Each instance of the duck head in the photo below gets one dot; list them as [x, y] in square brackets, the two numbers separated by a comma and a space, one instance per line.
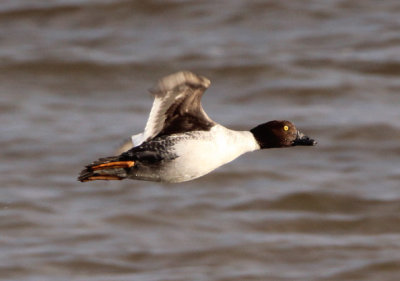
[274, 134]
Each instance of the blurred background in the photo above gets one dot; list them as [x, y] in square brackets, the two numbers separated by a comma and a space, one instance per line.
[73, 85]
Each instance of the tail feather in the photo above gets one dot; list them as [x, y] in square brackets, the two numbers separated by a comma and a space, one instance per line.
[109, 168]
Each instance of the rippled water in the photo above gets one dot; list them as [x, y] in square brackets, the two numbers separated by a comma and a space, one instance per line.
[73, 83]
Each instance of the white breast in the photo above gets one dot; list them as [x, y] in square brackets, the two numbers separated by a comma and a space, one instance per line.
[207, 151]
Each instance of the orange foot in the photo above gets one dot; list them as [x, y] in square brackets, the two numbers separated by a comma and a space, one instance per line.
[94, 178]
[113, 165]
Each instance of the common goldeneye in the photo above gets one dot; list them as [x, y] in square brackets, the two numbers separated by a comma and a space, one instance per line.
[180, 142]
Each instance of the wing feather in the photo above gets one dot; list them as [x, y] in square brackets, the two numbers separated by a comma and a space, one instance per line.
[177, 105]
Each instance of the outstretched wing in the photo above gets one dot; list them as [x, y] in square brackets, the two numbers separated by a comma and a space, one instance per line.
[177, 106]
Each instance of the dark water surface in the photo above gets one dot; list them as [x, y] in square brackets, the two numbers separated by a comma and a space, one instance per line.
[73, 85]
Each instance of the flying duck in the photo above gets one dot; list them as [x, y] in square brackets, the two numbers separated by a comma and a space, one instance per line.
[180, 142]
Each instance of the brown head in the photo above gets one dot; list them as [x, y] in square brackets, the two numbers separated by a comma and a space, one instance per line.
[280, 134]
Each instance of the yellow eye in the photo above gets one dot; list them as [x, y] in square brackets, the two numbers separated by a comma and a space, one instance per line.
[286, 128]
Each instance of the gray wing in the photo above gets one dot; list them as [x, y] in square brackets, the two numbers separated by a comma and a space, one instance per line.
[177, 105]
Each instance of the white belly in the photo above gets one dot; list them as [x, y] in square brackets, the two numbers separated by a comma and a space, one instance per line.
[206, 152]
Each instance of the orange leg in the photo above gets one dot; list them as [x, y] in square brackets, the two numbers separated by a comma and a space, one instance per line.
[93, 178]
[114, 165]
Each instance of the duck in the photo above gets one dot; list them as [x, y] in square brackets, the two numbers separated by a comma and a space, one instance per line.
[180, 142]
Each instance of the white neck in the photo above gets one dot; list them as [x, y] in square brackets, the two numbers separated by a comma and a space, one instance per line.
[234, 143]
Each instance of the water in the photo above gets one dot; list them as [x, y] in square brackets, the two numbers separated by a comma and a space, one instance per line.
[73, 83]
